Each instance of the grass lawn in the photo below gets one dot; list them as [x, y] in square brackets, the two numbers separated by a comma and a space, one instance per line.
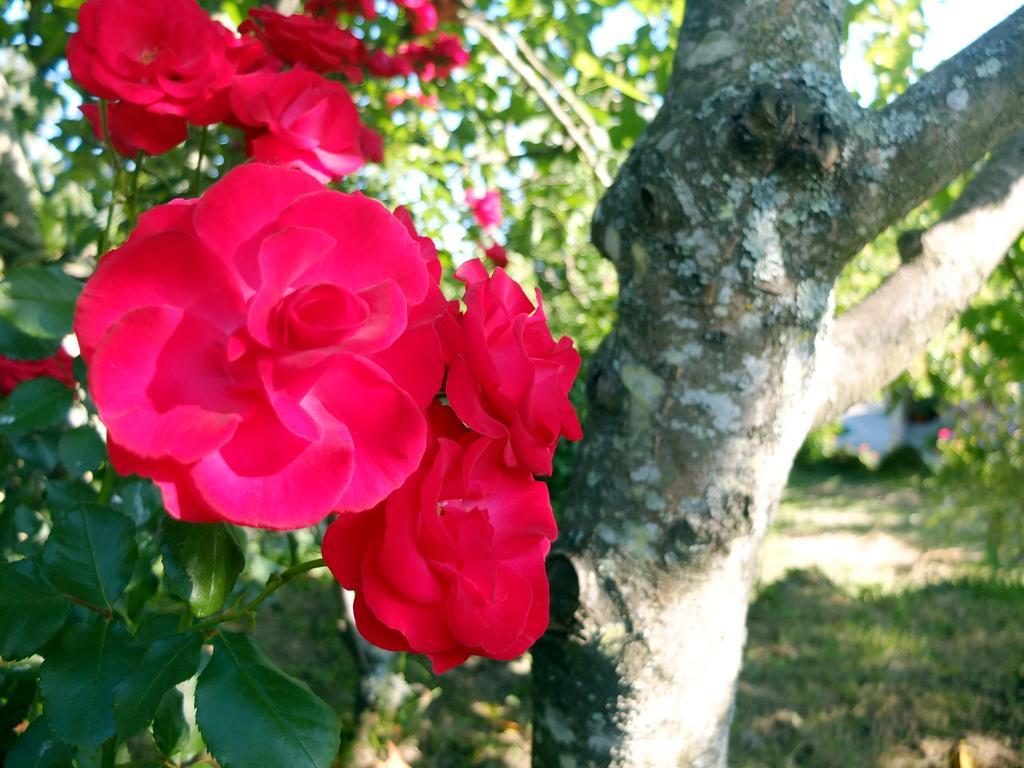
[881, 647]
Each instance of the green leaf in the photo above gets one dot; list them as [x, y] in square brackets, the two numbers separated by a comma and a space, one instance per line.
[39, 748]
[82, 450]
[91, 553]
[202, 563]
[251, 713]
[31, 610]
[79, 676]
[20, 346]
[35, 404]
[39, 301]
[169, 725]
[591, 67]
[165, 664]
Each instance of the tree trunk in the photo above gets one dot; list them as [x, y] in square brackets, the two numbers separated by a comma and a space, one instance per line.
[758, 180]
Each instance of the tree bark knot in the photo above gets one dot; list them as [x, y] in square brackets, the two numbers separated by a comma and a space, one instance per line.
[787, 125]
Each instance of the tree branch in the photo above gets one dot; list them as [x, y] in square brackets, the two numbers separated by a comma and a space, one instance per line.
[940, 127]
[876, 340]
[532, 79]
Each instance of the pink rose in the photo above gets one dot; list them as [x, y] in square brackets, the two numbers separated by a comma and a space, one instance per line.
[422, 15]
[436, 60]
[135, 129]
[371, 144]
[254, 351]
[510, 380]
[332, 8]
[486, 208]
[452, 564]
[318, 44]
[14, 372]
[495, 253]
[166, 55]
[301, 119]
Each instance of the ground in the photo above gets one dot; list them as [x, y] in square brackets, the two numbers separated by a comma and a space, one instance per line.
[873, 642]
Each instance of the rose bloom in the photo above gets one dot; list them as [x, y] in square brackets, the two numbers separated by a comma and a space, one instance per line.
[486, 208]
[135, 129]
[166, 55]
[436, 60]
[422, 15]
[332, 8]
[371, 144]
[495, 253]
[265, 353]
[301, 119]
[452, 564]
[510, 379]
[318, 44]
[14, 372]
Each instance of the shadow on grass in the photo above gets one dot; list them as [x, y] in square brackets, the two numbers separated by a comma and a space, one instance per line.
[831, 679]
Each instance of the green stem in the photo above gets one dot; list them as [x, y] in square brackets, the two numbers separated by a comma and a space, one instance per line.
[107, 140]
[199, 161]
[133, 193]
[101, 245]
[104, 612]
[107, 486]
[109, 754]
[115, 161]
[275, 582]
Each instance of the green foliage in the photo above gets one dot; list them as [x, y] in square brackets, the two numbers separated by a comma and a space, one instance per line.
[201, 563]
[34, 405]
[91, 553]
[251, 713]
[39, 301]
[39, 748]
[166, 663]
[31, 609]
[77, 680]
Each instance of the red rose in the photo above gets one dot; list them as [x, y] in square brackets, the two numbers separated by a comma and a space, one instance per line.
[166, 55]
[315, 43]
[255, 352]
[301, 119]
[135, 129]
[422, 15]
[14, 372]
[486, 208]
[511, 379]
[332, 8]
[496, 255]
[452, 564]
[371, 144]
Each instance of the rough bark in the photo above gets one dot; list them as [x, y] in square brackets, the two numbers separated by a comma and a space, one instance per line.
[724, 227]
[875, 341]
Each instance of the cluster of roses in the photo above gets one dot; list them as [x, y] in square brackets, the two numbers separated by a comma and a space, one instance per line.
[276, 351]
[160, 65]
[486, 208]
